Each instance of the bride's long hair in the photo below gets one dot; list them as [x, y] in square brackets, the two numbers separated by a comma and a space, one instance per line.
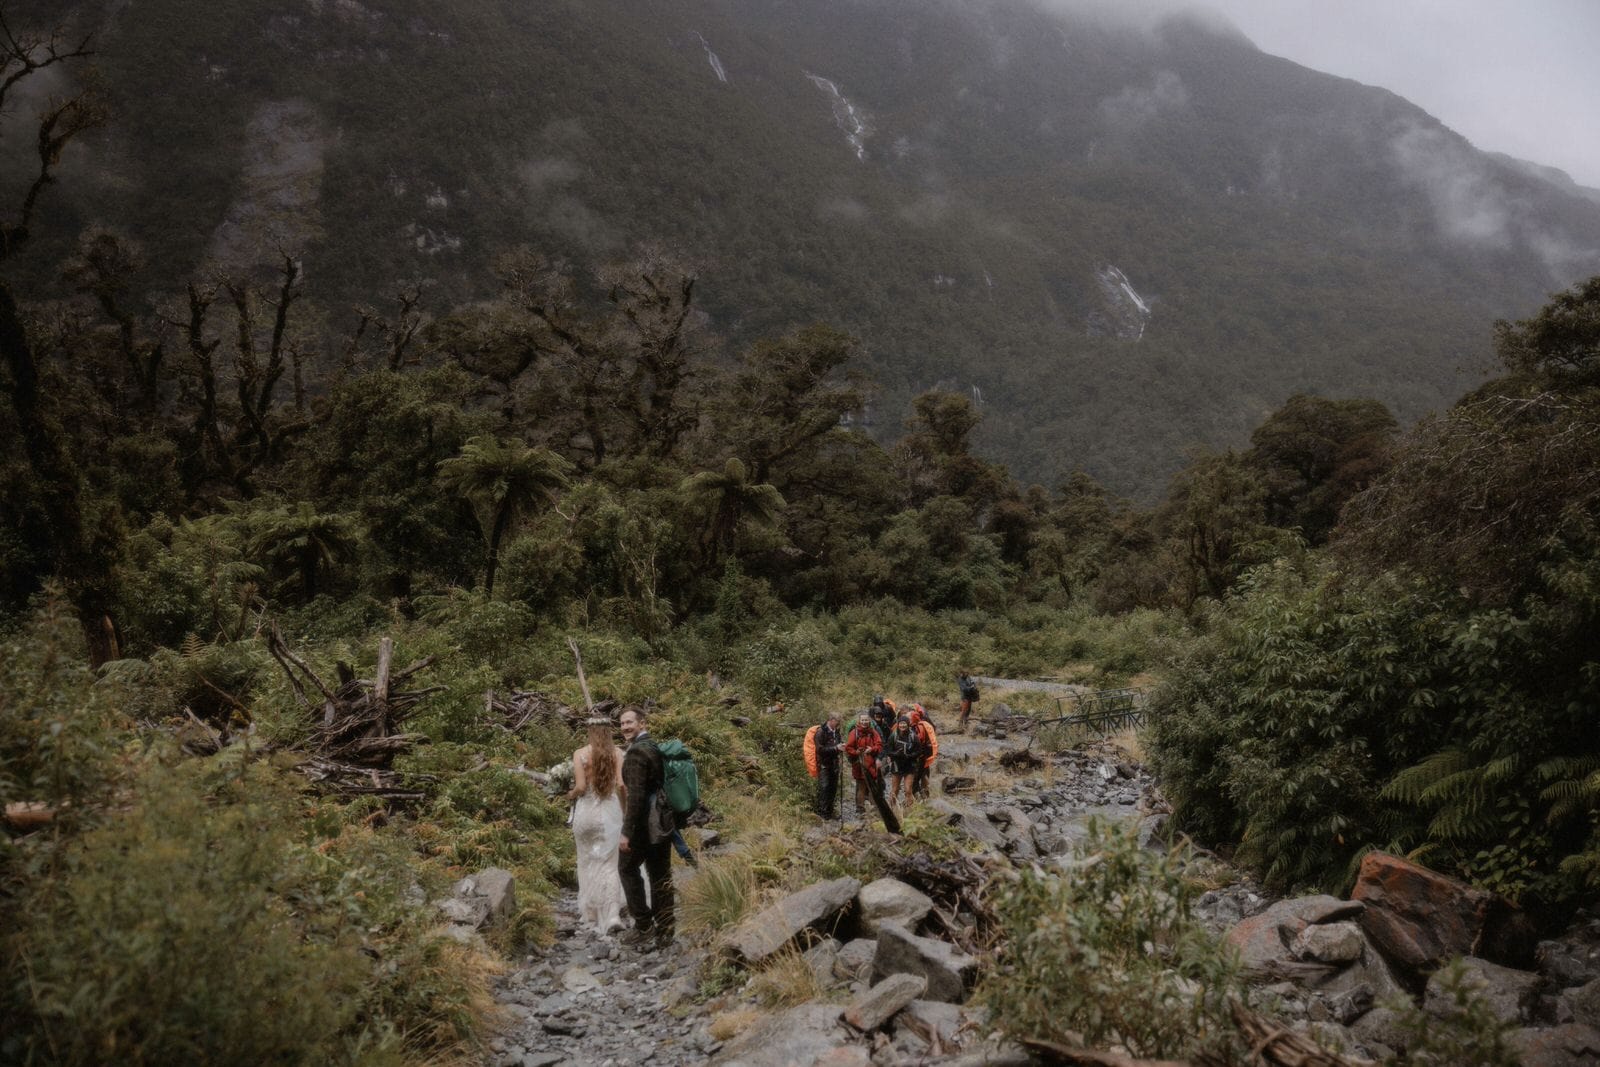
[602, 760]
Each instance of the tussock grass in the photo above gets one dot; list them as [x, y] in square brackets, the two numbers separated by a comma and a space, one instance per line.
[785, 981]
[730, 1024]
[722, 893]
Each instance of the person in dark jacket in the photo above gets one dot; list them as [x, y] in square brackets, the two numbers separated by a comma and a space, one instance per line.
[829, 742]
[643, 775]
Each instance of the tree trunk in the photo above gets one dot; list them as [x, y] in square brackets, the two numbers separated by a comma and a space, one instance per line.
[502, 519]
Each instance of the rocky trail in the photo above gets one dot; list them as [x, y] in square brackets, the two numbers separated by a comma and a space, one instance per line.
[895, 959]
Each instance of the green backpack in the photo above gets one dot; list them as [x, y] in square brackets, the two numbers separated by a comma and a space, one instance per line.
[682, 784]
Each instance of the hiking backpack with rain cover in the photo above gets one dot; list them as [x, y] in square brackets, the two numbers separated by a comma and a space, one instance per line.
[682, 784]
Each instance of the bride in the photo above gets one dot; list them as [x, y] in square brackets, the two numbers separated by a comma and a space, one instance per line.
[597, 827]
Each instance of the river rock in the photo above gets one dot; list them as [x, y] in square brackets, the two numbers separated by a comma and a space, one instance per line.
[891, 900]
[1380, 1026]
[1329, 943]
[1510, 994]
[816, 907]
[1572, 1045]
[1417, 917]
[947, 969]
[877, 1005]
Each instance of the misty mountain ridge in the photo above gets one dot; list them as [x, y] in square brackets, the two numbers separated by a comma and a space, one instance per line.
[1124, 236]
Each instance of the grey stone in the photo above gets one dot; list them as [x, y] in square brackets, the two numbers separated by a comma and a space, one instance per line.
[877, 1005]
[970, 821]
[542, 1059]
[823, 958]
[855, 959]
[1584, 1003]
[814, 907]
[1572, 1045]
[947, 969]
[802, 1035]
[891, 900]
[1329, 943]
[577, 980]
[1380, 1026]
[1510, 995]
[491, 892]
[937, 1017]
[710, 839]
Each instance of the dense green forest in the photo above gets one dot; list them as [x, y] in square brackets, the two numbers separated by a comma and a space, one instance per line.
[1280, 238]
[1365, 637]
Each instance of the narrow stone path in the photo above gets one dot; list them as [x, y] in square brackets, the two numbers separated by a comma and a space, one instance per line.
[590, 1001]
[593, 1002]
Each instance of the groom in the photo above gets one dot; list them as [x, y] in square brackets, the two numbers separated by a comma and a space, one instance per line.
[643, 773]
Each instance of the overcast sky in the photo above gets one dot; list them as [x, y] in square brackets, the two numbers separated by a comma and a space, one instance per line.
[1520, 78]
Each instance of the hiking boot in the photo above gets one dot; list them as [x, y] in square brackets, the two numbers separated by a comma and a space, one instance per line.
[638, 937]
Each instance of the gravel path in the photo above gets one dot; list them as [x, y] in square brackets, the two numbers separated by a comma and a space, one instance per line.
[593, 1002]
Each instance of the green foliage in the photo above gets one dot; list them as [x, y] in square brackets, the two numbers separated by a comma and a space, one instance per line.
[1108, 953]
[203, 926]
[786, 664]
[56, 723]
[1467, 1031]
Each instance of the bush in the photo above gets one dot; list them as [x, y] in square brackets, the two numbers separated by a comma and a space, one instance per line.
[1109, 954]
[200, 927]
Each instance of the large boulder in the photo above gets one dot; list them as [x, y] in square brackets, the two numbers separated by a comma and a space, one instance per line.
[877, 1005]
[1584, 1003]
[891, 900]
[816, 907]
[970, 821]
[800, 1037]
[483, 899]
[1264, 939]
[947, 969]
[1417, 917]
[1572, 1045]
[1510, 995]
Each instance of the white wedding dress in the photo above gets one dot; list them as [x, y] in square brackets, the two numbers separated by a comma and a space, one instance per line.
[597, 830]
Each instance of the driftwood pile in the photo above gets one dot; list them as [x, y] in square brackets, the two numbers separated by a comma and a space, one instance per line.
[356, 724]
[956, 886]
[517, 709]
[1271, 1044]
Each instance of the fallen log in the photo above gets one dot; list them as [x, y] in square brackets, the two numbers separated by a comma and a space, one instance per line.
[26, 816]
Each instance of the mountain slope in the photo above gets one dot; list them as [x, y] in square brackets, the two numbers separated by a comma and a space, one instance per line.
[1123, 240]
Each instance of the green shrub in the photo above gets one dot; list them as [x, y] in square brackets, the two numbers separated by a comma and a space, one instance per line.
[1468, 1031]
[1109, 953]
[213, 922]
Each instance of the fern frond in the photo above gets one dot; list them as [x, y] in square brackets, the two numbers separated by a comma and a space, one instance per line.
[1411, 784]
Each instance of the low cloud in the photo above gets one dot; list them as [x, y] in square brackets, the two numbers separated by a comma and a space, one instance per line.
[1138, 104]
[1472, 205]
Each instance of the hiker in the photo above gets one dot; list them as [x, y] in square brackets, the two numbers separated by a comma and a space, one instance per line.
[643, 777]
[883, 714]
[928, 740]
[969, 697]
[862, 748]
[597, 826]
[822, 746]
[904, 753]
